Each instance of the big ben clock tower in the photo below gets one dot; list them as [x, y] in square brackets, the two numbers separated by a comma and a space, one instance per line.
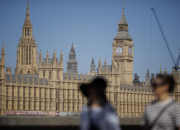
[123, 52]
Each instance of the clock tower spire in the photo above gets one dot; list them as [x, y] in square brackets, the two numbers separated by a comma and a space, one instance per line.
[72, 63]
[123, 51]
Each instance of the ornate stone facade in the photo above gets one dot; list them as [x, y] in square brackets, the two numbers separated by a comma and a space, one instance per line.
[47, 88]
[27, 50]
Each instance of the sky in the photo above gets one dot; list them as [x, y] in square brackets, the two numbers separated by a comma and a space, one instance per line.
[92, 25]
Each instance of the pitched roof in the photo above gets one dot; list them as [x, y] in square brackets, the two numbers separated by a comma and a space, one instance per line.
[123, 19]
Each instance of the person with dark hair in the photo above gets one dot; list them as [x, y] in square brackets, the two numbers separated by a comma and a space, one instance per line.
[164, 113]
[98, 114]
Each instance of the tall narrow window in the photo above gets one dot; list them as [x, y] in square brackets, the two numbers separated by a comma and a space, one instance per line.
[13, 104]
[49, 74]
[45, 105]
[21, 55]
[115, 96]
[6, 104]
[34, 92]
[24, 92]
[50, 105]
[40, 92]
[29, 105]
[13, 91]
[45, 93]
[29, 55]
[18, 91]
[50, 93]
[27, 31]
[57, 93]
[57, 74]
[23, 105]
[18, 105]
[35, 105]
[6, 91]
[44, 74]
[40, 105]
[29, 92]
[26, 55]
[56, 106]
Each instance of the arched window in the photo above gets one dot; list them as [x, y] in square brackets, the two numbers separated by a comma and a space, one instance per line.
[43, 73]
[49, 74]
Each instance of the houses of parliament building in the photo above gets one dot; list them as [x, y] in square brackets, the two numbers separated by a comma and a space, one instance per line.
[40, 84]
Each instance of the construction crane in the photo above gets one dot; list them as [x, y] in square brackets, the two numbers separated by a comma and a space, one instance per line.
[176, 63]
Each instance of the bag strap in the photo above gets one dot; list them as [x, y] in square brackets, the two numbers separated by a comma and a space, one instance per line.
[159, 115]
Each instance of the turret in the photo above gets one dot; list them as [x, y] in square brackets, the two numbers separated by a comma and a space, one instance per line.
[61, 66]
[86, 76]
[47, 58]
[99, 65]
[105, 63]
[147, 78]
[160, 71]
[8, 70]
[92, 66]
[81, 76]
[61, 60]
[54, 58]
[3, 55]
[40, 58]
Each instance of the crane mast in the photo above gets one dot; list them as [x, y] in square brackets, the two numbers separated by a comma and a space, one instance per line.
[176, 63]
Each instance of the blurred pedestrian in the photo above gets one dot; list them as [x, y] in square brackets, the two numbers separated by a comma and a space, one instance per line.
[164, 113]
[98, 114]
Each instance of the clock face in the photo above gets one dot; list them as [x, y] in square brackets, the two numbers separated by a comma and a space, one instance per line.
[119, 50]
[130, 50]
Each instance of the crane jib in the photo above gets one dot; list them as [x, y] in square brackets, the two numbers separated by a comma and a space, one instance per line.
[176, 63]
